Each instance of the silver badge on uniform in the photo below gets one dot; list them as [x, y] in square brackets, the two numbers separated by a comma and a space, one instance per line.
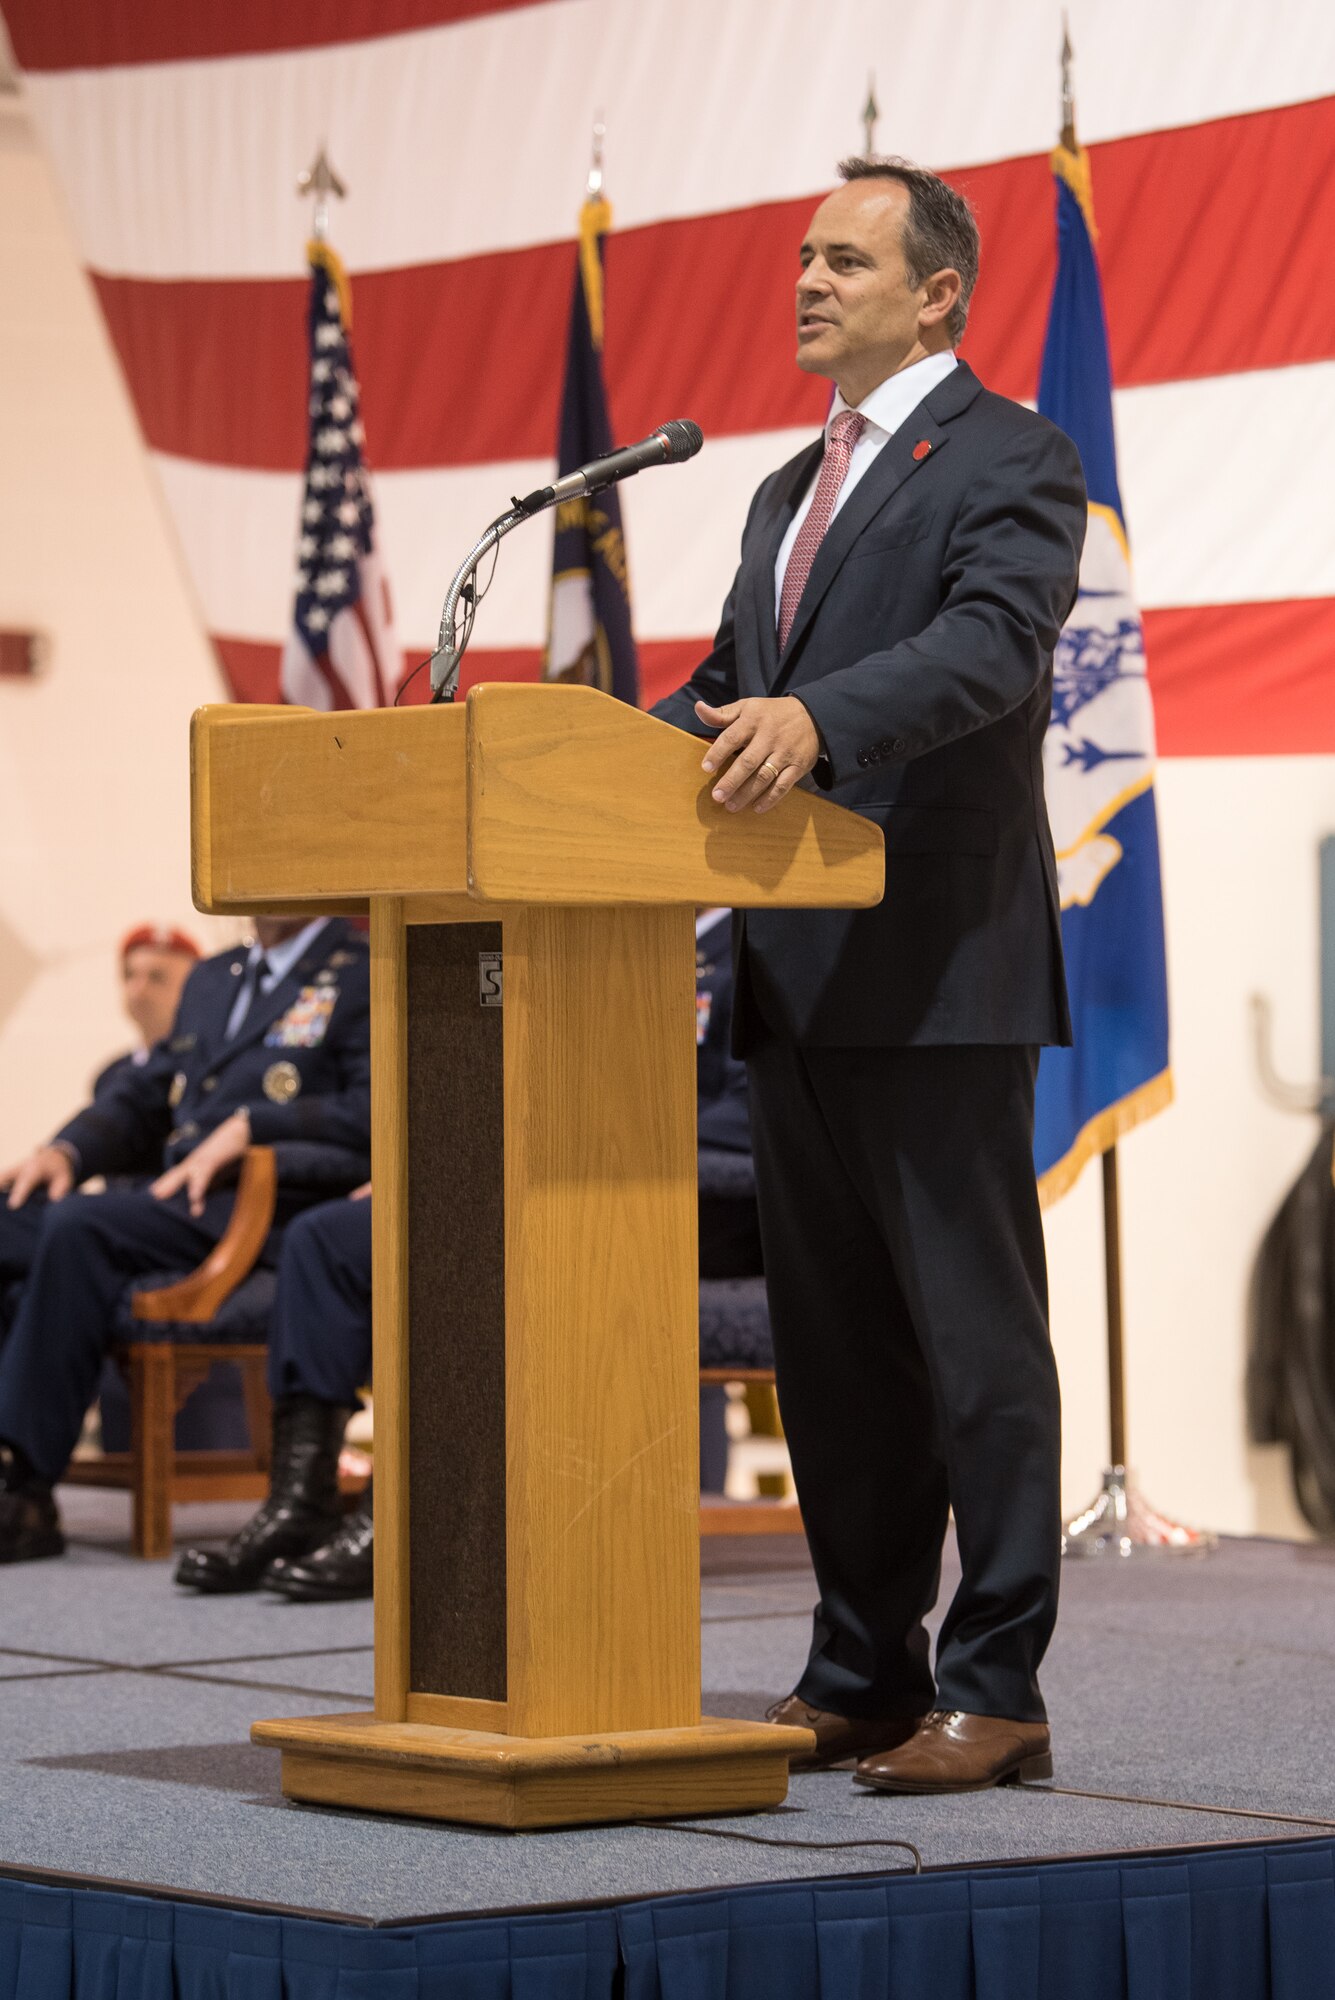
[282, 1082]
[489, 979]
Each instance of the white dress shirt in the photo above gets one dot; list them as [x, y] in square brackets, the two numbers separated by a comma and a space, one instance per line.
[889, 405]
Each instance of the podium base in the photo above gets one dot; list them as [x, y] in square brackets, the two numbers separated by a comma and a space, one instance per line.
[517, 1782]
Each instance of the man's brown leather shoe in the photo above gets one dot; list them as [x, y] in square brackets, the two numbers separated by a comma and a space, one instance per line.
[838, 1737]
[954, 1752]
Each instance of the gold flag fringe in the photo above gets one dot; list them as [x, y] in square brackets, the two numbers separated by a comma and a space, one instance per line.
[1074, 169]
[332, 264]
[1103, 1132]
[595, 219]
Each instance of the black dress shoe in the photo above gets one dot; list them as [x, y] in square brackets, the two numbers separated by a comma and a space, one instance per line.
[335, 1573]
[29, 1524]
[302, 1509]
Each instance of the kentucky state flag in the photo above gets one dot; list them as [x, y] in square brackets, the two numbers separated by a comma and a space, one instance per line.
[589, 636]
[1099, 758]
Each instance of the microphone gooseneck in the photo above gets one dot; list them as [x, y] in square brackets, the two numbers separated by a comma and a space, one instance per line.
[670, 444]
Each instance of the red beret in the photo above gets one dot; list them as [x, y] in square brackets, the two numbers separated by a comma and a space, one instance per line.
[161, 937]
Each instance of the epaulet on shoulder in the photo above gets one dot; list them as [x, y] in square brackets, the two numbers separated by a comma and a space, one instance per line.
[223, 957]
[351, 949]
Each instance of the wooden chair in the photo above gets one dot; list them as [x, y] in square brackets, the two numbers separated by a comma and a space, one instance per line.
[734, 1320]
[162, 1372]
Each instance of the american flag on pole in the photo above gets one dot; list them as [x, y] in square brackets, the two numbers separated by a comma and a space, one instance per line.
[341, 651]
[461, 264]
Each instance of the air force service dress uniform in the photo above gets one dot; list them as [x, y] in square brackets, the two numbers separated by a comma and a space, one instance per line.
[297, 1060]
[320, 1328]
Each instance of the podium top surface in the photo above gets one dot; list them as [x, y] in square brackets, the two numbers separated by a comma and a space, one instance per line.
[522, 794]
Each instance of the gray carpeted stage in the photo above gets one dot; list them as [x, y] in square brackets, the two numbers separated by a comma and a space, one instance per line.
[1198, 1682]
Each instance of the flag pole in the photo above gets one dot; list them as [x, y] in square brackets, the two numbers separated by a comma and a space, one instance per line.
[871, 111]
[1119, 1522]
[320, 180]
[1112, 1279]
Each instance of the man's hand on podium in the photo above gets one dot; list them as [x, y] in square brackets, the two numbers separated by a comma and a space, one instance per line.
[771, 742]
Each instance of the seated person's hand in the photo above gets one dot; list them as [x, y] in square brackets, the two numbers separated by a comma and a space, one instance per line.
[361, 1193]
[197, 1171]
[49, 1167]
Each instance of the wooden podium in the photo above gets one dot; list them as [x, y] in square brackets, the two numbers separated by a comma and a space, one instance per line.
[530, 860]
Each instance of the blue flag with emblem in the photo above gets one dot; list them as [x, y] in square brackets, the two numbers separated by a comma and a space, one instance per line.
[1099, 756]
[589, 635]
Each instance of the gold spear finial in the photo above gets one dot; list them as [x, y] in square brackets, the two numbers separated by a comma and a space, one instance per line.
[871, 111]
[320, 180]
[1068, 91]
[593, 187]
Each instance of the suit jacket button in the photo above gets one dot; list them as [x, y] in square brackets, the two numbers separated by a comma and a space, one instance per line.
[899, 743]
[209, 1083]
[863, 759]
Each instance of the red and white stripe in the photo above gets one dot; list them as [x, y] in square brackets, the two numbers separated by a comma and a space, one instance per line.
[461, 127]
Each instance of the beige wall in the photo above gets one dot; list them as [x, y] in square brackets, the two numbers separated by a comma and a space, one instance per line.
[1200, 1182]
[93, 836]
[93, 768]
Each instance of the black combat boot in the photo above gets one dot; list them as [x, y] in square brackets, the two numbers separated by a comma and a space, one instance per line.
[29, 1523]
[301, 1511]
[339, 1570]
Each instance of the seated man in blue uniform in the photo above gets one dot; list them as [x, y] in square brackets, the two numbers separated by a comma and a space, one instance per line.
[270, 1044]
[320, 1331]
[155, 962]
[298, 1543]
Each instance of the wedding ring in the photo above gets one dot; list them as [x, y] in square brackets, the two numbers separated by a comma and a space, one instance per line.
[772, 769]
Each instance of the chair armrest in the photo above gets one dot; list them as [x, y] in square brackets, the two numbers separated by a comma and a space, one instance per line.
[197, 1298]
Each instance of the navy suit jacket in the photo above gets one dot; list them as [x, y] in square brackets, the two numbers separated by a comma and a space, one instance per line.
[300, 1064]
[723, 1117]
[922, 648]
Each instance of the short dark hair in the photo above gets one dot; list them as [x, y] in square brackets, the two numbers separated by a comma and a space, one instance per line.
[939, 231]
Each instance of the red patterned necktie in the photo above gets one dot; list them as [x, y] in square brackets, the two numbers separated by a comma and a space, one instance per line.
[845, 431]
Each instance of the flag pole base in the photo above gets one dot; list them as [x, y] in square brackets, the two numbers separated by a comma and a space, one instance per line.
[1122, 1523]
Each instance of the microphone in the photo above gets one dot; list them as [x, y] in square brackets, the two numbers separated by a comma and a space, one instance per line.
[668, 445]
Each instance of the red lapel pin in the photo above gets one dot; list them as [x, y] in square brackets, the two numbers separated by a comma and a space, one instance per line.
[922, 447]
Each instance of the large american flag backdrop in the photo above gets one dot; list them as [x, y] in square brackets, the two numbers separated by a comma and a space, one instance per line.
[462, 130]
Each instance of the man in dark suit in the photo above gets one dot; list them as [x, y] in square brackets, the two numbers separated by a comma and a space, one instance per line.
[889, 637]
[270, 1044]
